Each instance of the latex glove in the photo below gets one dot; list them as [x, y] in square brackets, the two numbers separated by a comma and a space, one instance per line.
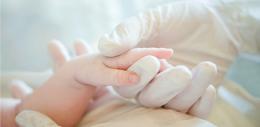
[197, 31]
[175, 88]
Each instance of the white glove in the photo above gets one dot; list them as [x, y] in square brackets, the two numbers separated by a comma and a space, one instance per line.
[196, 33]
[30, 118]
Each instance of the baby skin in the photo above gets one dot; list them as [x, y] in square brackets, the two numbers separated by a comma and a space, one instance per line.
[65, 96]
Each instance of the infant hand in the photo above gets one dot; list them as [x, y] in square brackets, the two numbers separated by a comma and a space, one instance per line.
[97, 70]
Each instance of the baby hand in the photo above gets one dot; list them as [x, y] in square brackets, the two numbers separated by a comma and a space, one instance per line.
[94, 69]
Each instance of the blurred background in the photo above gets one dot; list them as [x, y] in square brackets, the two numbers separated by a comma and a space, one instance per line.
[27, 27]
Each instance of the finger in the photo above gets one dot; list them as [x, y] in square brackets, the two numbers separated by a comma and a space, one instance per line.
[203, 74]
[129, 58]
[165, 86]
[164, 65]
[20, 89]
[146, 68]
[80, 47]
[204, 105]
[58, 53]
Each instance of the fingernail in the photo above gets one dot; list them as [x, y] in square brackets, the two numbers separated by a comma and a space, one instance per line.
[133, 78]
[168, 52]
[167, 49]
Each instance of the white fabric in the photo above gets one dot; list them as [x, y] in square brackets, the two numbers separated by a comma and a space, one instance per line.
[29, 118]
[118, 113]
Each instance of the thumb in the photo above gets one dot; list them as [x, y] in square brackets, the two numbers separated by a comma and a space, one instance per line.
[128, 35]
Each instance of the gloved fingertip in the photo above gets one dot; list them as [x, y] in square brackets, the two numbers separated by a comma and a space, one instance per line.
[209, 66]
[108, 47]
[206, 70]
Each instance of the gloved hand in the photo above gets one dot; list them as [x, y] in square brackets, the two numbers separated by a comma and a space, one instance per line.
[175, 88]
[196, 33]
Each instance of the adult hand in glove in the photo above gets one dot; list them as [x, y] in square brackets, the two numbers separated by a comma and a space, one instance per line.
[196, 32]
